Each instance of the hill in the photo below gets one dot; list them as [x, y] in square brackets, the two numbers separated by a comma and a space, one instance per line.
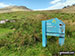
[69, 9]
[14, 8]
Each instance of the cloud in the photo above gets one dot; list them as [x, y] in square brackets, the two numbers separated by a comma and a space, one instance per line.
[61, 4]
[3, 5]
[58, 4]
[54, 1]
[55, 6]
[69, 2]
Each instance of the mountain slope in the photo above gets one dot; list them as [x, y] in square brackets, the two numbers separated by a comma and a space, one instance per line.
[70, 9]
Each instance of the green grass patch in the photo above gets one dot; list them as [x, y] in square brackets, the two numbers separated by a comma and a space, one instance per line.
[4, 31]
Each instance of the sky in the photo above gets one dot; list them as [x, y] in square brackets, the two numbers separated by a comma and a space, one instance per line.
[38, 4]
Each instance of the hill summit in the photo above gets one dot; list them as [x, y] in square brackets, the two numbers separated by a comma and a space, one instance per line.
[14, 8]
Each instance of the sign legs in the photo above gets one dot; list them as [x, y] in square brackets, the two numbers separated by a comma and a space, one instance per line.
[44, 38]
[44, 41]
[61, 41]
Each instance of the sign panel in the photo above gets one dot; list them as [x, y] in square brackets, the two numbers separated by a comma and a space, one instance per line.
[53, 27]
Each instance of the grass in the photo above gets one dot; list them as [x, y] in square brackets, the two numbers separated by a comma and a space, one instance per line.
[4, 31]
[26, 39]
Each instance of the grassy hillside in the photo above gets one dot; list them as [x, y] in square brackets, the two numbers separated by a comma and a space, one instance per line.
[24, 37]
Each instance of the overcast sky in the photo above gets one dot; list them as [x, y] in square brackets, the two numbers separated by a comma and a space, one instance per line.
[37, 4]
